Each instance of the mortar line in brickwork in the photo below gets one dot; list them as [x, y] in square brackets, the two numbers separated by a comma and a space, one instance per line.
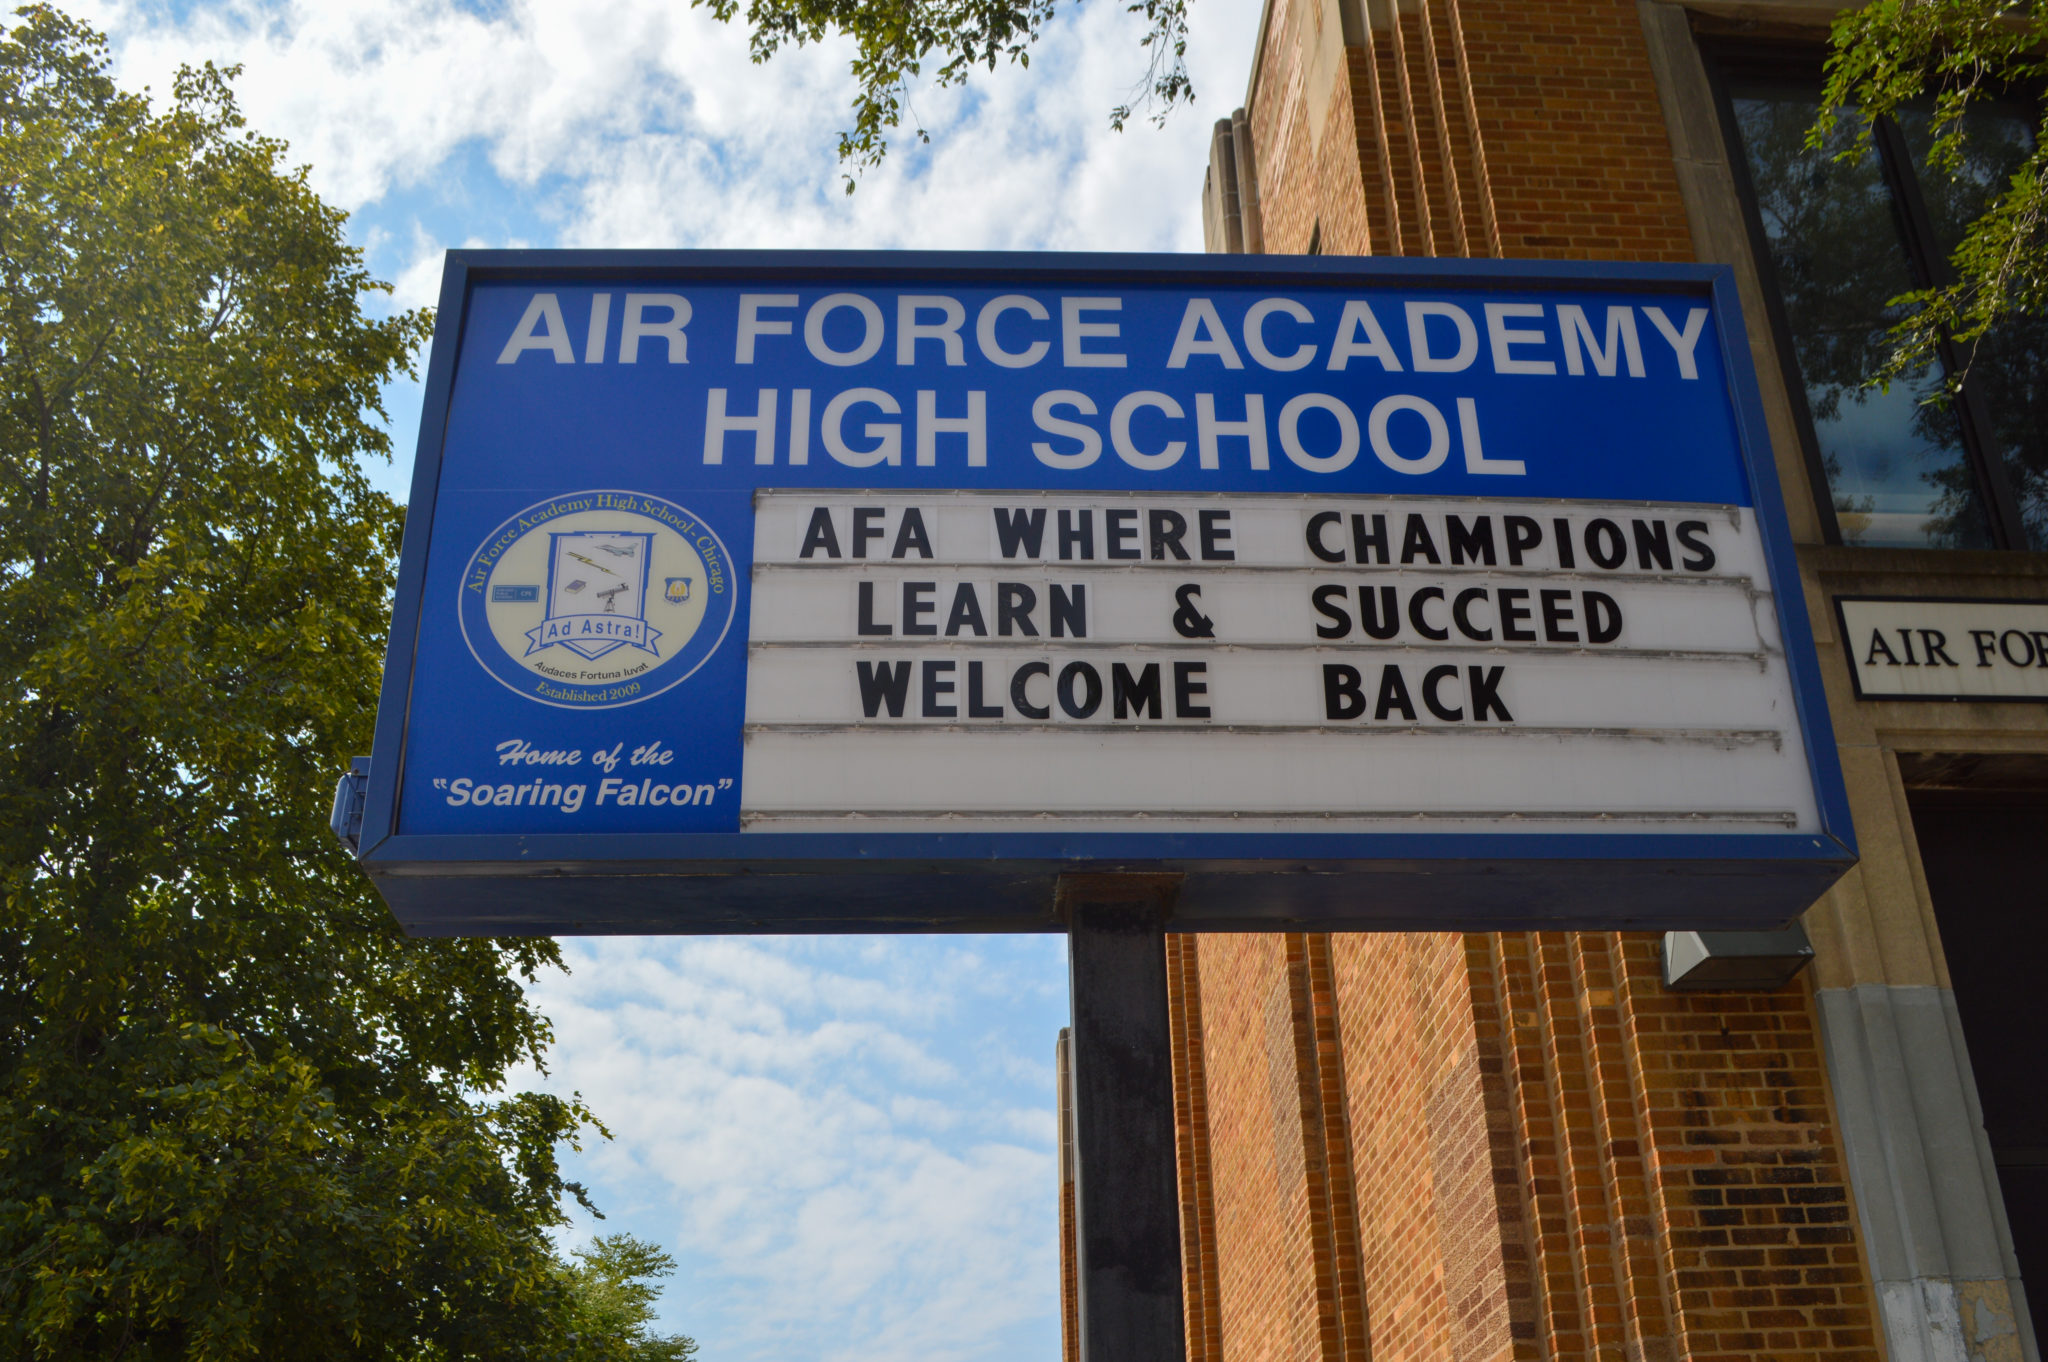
[1423, 237]
[1423, 134]
[1454, 207]
[1645, 1312]
[1365, 144]
[1590, 1237]
[1639, 994]
[1314, 1151]
[1353, 1309]
[1488, 218]
[1487, 1006]
[1537, 1131]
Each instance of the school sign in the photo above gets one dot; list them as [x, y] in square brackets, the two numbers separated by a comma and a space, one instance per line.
[810, 592]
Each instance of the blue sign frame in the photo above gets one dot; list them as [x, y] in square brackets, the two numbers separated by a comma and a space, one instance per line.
[731, 882]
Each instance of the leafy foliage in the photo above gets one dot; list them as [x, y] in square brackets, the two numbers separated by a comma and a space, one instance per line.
[240, 1114]
[1935, 65]
[615, 1302]
[895, 40]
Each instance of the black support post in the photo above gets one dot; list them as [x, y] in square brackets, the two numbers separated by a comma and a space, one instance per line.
[1127, 1190]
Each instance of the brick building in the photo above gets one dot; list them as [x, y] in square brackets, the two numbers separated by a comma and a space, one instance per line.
[1493, 1146]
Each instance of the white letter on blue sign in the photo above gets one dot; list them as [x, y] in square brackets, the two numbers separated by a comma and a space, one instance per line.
[1202, 333]
[1682, 342]
[636, 326]
[751, 324]
[1621, 341]
[887, 435]
[1347, 432]
[717, 422]
[1041, 413]
[1418, 338]
[1439, 434]
[1074, 331]
[1359, 314]
[1209, 431]
[909, 330]
[544, 307]
[985, 331]
[814, 329]
[1255, 334]
[1120, 432]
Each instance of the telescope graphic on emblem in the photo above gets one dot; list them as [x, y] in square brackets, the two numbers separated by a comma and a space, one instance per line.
[677, 590]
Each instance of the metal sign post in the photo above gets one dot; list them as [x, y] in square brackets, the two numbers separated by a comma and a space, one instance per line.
[832, 592]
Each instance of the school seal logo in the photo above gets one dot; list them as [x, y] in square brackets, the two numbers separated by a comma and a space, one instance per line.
[597, 599]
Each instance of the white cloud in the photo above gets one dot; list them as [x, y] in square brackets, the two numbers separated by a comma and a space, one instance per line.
[826, 1134]
[642, 122]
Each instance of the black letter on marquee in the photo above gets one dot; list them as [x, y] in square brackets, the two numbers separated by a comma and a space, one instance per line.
[1689, 532]
[1020, 529]
[1603, 618]
[1014, 604]
[1166, 530]
[1381, 621]
[1393, 695]
[1878, 645]
[966, 613]
[1342, 699]
[1651, 545]
[866, 526]
[917, 602]
[1139, 694]
[1436, 677]
[1068, 614]
[1564, 542]
[1315, 536]
[1340, 621]
[1081, 537]
[910, 535]
[1020, 699]
[975, 708]
[1415, 542]
[1523, 534]
[1091, 688]
[883, 682]
[1473, 545]
[1117, 526]
[1461, 614]
[820, 535]
[1369, 548]
[1215, 533]
[1423, 626]
[1605, 544]
[1557, 613]
[1485, 686]
[866, 625]
[1186, 688]
[1511, 610]
[934, 688]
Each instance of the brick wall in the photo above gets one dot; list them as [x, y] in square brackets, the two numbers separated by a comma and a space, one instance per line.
[1484, 1147]
[1465, 1148]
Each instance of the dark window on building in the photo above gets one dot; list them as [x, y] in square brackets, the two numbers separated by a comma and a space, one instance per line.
[1837, 243]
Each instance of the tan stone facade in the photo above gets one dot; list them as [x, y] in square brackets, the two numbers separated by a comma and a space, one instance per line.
[1477, 1147]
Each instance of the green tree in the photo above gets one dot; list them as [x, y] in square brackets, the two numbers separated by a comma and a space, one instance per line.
[1962, 79]
[895, 41]
[614, 1297]
[241, 1115]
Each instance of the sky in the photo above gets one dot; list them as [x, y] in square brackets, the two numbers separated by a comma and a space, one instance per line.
[847, 1143]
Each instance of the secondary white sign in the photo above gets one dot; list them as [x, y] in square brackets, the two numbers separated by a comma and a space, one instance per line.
[979, 661]
[1930, 648]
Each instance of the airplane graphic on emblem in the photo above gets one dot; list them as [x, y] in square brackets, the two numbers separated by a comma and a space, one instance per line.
[623, 621]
